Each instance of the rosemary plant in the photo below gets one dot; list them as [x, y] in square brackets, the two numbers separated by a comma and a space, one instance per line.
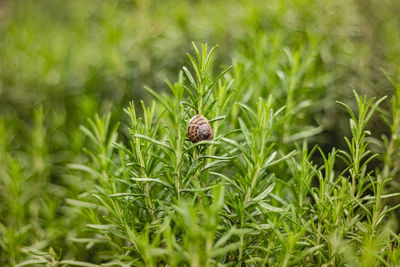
[239, 199]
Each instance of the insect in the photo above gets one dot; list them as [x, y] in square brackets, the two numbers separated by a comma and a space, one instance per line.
[199, 129]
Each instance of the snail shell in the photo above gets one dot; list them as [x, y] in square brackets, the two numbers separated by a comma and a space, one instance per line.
[199, 129]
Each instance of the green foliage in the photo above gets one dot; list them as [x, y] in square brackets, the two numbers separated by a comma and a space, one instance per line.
[284, 182]
[237, 199]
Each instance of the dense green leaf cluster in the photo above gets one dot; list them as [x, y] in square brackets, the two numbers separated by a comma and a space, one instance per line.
[286, 180]
[244, 197]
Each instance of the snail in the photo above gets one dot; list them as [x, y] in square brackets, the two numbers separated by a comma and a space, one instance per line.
[199, 129]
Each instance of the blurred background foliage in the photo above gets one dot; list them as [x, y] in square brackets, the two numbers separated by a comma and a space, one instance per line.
[63, 61]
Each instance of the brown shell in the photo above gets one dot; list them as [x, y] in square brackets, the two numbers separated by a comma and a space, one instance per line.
[199, 129]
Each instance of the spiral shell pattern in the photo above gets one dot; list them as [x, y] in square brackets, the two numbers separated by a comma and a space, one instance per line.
[199, 129]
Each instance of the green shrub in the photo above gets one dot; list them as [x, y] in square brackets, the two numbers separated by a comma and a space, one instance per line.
[63, 61]
[246, 197]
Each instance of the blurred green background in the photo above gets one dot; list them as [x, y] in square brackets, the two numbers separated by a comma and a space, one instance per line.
[63, 61]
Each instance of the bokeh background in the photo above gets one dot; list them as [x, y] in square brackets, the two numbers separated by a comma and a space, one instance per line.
[61, 62]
